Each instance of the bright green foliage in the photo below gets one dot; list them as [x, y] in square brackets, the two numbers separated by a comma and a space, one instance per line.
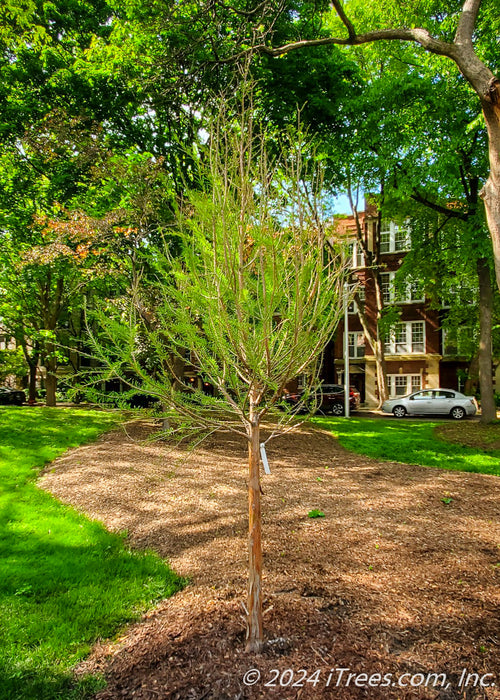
[12, 364]
[64, 580]
[251, 300]
[410, 442]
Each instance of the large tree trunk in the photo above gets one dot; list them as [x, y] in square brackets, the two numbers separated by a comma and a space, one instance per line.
[491, 190]
[488, 409]
[254, 619]
[50, 388]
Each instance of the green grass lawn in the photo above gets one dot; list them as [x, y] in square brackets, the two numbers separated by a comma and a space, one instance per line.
[65, 581]
[412, 442]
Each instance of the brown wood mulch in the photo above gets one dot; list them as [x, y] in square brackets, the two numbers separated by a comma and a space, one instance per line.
[393, 580]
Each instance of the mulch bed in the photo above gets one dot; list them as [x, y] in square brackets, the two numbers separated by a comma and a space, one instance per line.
[396, 578]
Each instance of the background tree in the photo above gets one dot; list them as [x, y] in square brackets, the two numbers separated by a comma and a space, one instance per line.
[460, 286]
[466, 37]
[419, 141]
[251, 301]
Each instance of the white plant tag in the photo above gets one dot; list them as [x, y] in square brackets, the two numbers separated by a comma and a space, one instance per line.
[263, 457]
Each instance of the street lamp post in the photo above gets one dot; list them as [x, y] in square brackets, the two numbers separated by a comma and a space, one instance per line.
[346, 351]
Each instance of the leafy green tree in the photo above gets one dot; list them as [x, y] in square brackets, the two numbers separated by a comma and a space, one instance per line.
[251, 302]
[423, 146]
[56, 158]
[12, 364]
[438, 163]
[466, 37]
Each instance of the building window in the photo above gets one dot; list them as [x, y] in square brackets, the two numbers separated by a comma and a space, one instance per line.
[406, 338]
[360, 291]
[460, 341]
[356, 256]
[387, 286]
[401, 339]
[356, 345]
[417, 336]
[403, 384]
[385, 239]
[407, 291]
[394, 238]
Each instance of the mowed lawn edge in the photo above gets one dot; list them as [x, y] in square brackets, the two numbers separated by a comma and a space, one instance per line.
[410, 442]
[65, 581]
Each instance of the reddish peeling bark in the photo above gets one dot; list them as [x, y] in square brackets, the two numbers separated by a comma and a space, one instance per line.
[254, 619]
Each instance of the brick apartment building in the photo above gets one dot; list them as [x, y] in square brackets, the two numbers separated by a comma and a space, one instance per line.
[418, 354]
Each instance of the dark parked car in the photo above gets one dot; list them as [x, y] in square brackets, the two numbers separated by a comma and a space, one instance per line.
[142, 401]
[329, 398]
[11, 396]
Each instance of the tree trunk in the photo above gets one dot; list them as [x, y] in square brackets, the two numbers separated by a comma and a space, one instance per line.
[377, 345]
[50, 388]
[254, 619]
[33, 366]
[380, 343]
[381, 371]
[488, 409]
[491, 190]
[470, 386]
[50, 363]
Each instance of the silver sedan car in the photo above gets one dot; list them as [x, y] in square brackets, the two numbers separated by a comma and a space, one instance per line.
[447, 402]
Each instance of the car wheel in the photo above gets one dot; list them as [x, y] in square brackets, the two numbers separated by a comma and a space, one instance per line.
[337, 408]
[457, 413]
[399, 411]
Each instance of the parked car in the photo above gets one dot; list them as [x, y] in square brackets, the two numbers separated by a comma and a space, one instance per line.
[142, 401]
[11, 396]
[329, 398]
[447, 402]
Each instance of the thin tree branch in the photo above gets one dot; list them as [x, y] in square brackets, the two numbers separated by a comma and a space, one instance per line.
[345, 20]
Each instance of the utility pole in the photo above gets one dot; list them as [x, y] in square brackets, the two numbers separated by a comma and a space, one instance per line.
[346, 350]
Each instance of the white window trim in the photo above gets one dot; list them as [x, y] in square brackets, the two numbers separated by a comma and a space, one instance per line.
[356, 346]
[411, 384]
[391, 345]
[392, 291]
[356, 256]
[392, 228]
[353, 307]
